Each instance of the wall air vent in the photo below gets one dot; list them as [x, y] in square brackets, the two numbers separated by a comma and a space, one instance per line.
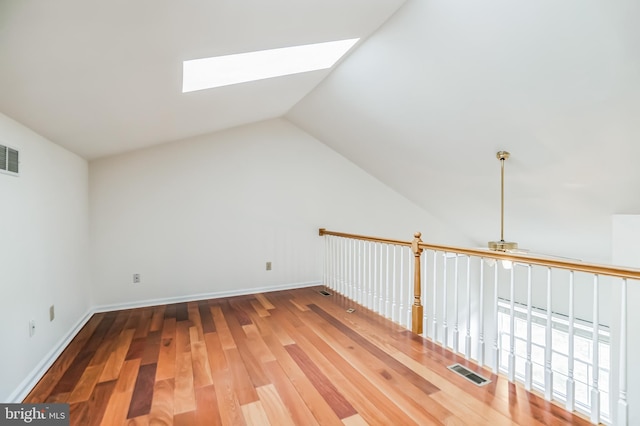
[469, 375]
[9, 160]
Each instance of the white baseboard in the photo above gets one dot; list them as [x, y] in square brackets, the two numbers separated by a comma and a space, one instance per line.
[36, 374]
[202, 296]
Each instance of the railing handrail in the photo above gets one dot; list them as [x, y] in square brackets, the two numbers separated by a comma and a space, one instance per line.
[323, 231]
[576, 266]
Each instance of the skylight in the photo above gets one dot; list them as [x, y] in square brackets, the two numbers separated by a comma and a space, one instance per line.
[220, 71]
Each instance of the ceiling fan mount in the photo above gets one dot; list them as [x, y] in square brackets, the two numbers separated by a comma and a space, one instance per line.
[502, 245]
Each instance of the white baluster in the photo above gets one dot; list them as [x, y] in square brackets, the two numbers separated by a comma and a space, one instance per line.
[512, 331]
[410, 268]
[374, 301]
[595, 391]
[496, 347]
[340, 264]
[332, 261]
[401, 316]
[571, 384]
[352, 267]
[455, 306]
[371, 278]
[435, 299]
[358, 288]
[548, 371]
[528, 366]
[481, 317]
[425, 294]
[387, 280]
[623, 407]
[381, 282]
[467, 343]
[445, 328]
[394, 316]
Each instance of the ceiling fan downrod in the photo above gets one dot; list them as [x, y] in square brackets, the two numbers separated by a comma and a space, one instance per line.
[502, 245]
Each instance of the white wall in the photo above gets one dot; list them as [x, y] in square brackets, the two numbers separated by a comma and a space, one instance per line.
[43, 252]
[203, 215]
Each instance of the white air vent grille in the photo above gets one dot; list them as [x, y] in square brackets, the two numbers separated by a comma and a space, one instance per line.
[9, 160]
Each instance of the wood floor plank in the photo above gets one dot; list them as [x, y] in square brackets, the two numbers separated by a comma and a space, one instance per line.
[117, 357]
[276, 411]
[230, 411]
[293, 401]
[161, 412]
[86, 384]
[334, 398]
[252, 366]
[307, 392]
[138, 421]
[194, 316]
[215, 353]
[254, 414]
[182, 312]
[143, 391]
[157, 318]
[259, 308]
[370, 391]
[184, 394]
[402, 369]
[167, 350]
[184, 419]
[242, 384]
[355, 420]
[144, 323]
[226, 339]
[91, 412]
[207, 412]
[201, 370]
[208, 326]
[151, 348]
[120, 398]
[264, 301]
[256, 345]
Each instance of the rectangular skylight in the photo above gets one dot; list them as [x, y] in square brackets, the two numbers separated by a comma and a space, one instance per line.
[219, 71]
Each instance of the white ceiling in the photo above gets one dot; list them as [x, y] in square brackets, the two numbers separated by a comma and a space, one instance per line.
[101, 78]
[429, 99]
[423, 103]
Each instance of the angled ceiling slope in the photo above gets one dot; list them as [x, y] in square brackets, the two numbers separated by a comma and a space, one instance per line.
[426, 102]
[101, 78]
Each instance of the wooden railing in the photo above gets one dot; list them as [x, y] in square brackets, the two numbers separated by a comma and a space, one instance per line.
[357, 267]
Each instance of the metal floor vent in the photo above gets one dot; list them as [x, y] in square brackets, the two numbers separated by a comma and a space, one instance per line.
[325, 293]
[469, 375]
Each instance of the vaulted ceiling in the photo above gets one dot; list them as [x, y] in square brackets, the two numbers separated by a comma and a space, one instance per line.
[423, 103]
[106, 77]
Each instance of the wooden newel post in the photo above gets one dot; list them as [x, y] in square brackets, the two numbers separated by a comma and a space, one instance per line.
[416, 309]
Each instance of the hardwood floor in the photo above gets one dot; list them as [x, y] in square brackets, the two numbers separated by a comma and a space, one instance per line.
[282, 358]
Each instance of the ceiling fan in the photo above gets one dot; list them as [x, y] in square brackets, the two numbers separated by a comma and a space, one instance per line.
[502, 245]
[509, 246]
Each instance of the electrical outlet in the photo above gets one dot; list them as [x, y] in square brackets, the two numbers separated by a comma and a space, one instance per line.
[268, 266]
[32, 328]
[52, 313]
[136, 278]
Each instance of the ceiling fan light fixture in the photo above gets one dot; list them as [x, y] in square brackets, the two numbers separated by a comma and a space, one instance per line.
[502, 245]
